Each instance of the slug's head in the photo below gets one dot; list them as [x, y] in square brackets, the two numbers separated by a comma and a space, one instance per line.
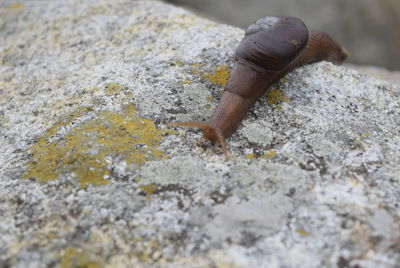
[339, 56]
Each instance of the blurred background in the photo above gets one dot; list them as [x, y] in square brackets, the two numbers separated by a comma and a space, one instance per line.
[370, 29]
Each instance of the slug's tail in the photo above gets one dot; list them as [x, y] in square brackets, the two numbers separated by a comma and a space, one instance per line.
[210, 133]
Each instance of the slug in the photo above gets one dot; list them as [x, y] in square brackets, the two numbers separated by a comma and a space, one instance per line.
[272, 47]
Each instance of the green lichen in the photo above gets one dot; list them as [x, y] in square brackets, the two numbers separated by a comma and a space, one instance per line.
[84, 150]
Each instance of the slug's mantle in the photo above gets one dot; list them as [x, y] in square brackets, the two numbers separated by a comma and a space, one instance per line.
[320, 152]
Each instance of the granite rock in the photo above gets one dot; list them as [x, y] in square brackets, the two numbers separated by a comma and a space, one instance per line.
[90, 175]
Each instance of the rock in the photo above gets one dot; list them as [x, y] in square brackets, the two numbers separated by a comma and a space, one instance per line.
[91, 175]
[378, 72]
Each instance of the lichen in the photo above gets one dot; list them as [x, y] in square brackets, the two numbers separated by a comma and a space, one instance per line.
[185, 82]
[275, 97]
[269, 154]
[83, 151]
[178, 63]
[302, 232]
[219, 76]
[15, 6]
[73, 257]
[147, 250]
[112, 88]
[148, 188]
[210, 98]
[250, 156]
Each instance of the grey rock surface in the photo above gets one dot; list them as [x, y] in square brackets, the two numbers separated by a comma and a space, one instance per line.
[378, 72]
[91, 176]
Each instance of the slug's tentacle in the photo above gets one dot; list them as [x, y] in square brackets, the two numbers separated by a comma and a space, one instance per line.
[271, 48]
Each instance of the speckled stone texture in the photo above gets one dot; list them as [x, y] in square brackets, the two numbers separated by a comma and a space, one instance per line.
[91, 176]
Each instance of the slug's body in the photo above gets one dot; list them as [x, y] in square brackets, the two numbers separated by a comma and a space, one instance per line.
[271, 48]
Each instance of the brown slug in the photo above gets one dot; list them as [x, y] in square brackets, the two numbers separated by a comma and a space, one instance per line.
[271, 48]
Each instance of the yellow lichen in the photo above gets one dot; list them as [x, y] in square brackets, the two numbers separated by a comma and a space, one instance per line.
[148, 188]
[14, 248]
[354, 182]
[112, 88]
[135, 12]
[302, 232]
[179, 63]
[157, 25]
[168, 131]
[83, 151]
[268, 154]
[185, 82]
[147, 250]
[196, 65]
[275, 96]
[222, 259]
[250, 156]
[135, 52]
[78, 258]
[218, 76]
[15, 6]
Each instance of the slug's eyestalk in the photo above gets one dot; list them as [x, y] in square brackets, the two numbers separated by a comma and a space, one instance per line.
[271, 48]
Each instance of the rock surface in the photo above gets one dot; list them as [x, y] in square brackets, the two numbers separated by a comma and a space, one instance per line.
[91, 176]
[378, 72]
